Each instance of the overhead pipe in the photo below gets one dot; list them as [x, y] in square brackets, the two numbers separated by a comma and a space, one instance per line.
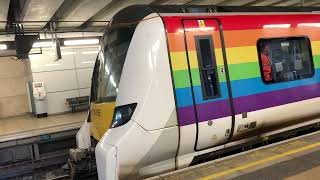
[55, 40]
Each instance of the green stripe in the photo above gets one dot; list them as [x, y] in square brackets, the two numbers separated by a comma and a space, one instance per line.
[181, 78]
[237, 72]
[316, 61]
[244, 71]
[195, 77]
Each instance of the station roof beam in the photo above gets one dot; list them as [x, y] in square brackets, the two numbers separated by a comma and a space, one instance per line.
[79, 11]
[38, 10]
[107, 13]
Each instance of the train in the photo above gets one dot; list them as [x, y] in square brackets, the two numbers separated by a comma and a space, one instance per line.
[175, 84]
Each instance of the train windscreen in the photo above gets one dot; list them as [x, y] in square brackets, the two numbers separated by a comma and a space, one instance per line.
[114, 47]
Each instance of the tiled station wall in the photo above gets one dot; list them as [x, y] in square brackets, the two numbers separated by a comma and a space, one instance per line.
[64, 78]
[13, 93]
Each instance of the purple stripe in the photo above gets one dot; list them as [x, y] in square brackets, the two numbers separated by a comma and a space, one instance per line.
[216, 109]
[219, 109]
[276, 98]
[186, 115]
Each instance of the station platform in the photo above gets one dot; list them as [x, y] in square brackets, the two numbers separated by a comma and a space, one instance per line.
[25, 126]
[292, 159]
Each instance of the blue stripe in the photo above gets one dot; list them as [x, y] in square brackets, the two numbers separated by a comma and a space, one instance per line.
[240, 88]
[184, 97]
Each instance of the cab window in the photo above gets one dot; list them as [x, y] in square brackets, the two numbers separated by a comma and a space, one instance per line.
[285, 59]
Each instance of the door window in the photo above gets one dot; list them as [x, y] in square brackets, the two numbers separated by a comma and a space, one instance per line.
[207, 67]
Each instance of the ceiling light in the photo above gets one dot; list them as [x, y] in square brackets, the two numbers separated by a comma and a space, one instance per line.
[42, 44]
[277, 26]
[81, 42]
[3, 46]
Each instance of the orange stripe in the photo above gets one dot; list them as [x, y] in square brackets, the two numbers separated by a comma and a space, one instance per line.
[250, 37]
[176, 40]
[239, 38]
[191, 36]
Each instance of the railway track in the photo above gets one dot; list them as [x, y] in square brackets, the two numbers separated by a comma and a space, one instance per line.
[34, 157]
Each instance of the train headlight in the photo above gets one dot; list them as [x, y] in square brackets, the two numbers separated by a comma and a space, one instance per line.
[122, 114]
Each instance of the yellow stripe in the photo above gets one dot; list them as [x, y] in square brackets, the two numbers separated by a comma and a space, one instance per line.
[179, 60]
[193, 59]
[235, 55]
[315, 47]
[242, 54]
[269, 159]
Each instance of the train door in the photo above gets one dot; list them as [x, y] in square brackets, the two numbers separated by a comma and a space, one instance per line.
[212, 97]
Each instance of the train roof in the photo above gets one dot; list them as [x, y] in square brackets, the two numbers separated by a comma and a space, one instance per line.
[138, 12]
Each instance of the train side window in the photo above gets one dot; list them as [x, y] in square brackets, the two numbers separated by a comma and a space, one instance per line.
[207, 67]
[285, 59]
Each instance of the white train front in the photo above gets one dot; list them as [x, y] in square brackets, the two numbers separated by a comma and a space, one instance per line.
[170, 88]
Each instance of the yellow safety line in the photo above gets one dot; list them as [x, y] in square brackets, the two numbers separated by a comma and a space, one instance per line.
[219, 174]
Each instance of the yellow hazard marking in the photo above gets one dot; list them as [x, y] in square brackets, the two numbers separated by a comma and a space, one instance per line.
[262, 161]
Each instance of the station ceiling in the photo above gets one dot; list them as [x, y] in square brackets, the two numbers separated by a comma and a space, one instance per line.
[35, 15]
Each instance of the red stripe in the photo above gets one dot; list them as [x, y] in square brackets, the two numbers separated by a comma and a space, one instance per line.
[242, 22]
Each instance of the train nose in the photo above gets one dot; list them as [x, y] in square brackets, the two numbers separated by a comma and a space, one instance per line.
[106, 158]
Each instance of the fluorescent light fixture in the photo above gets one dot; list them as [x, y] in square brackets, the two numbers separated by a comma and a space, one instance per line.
[3, 46]
[43, 44]
[81, 42]
[277, 26]
[309, 25]
[90, 52]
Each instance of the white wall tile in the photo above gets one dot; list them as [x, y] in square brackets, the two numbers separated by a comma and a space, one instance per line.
[48, 61]
[85, 92]
[84, 77]
[57, 80]
[64, 77]
[85, 57]
[56, 101]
